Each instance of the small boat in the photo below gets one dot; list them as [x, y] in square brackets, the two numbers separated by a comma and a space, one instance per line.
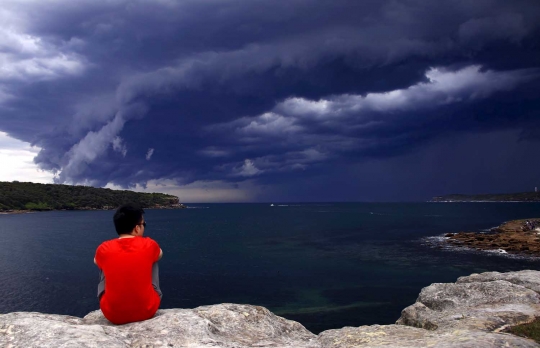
[272, 204]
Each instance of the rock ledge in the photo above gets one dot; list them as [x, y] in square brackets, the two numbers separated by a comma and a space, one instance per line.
[472, 312]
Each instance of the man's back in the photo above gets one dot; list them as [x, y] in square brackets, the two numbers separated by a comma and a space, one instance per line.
[127, 265]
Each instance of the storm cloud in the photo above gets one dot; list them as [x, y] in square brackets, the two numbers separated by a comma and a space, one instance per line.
[274, 100]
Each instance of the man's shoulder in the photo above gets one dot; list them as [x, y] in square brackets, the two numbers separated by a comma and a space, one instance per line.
[149, 240]
[108, 243]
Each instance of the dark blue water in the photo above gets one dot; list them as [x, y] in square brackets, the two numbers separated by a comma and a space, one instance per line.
[324, 265]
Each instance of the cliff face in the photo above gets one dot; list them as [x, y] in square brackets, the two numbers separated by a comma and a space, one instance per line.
[469, 313]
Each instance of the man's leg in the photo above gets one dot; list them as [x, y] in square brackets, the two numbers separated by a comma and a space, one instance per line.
[155, 279]
[101, 285]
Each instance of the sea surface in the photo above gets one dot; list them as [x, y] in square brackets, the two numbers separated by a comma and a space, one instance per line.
[325, 265]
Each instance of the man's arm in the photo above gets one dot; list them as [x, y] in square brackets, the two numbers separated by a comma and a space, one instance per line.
[95, 261]
[160, 254]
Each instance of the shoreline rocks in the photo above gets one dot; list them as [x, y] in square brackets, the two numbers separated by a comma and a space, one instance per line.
[515, 237]
[473, 312]
[172, 206]
[6, 212]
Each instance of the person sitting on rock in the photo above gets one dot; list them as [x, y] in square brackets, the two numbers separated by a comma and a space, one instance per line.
[129, 290]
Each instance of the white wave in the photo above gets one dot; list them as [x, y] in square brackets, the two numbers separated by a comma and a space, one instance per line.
[497, 251]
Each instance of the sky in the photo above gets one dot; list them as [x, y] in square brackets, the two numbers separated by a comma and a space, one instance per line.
[272, 100]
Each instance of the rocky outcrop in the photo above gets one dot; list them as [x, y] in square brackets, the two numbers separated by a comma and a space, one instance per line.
[223, 325]
[516, 237]
[487, 306]
[403, 336]
[473, 312]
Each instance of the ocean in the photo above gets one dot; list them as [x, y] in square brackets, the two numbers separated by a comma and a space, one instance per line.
[325, 265]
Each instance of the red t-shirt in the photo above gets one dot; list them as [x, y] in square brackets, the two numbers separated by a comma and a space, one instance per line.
[127, 264]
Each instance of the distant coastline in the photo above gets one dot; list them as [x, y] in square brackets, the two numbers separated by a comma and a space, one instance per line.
[457, 201]
[24, 197]
[521, 197]
[9, 212]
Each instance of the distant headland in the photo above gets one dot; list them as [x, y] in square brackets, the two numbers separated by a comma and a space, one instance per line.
[497, 197]
[18, 197]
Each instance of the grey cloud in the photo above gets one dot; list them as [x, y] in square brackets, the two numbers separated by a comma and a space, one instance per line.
[212, 151]
[286, 162]
[95, 144]
[119, 146]
[30, 58]
[248, 168]
[149, 154]
[91, 112]
[479, 31]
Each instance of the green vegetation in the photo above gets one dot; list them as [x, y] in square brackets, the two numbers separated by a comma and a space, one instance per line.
[501, 197]
[38, 206]
[530, 330]
[30, 196]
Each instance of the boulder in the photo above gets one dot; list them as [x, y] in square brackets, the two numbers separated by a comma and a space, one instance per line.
[528, 278]
[485, 306]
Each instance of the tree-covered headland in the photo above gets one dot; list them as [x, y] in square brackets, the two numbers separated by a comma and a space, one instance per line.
[32, 196]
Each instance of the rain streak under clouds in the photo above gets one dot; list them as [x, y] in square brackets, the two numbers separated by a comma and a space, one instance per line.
[296, 100]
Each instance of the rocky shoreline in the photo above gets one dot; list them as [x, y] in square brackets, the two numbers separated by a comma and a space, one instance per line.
[7, 212]
[473, 312]
[173, 206]
[513, 237]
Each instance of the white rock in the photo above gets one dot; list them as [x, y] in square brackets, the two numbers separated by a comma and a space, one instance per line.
[470, 313]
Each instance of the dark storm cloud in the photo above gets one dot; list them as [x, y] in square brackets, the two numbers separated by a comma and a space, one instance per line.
[123, 92]
[363, 124]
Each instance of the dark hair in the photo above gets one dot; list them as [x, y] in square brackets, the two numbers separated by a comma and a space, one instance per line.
[127, 217]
